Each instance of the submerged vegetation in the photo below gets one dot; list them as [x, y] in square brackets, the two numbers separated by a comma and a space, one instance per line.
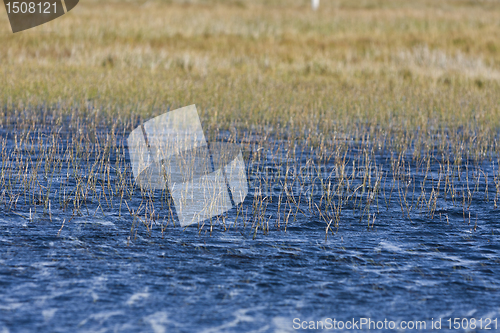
[366, 106]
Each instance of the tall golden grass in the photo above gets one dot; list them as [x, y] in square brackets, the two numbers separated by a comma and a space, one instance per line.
[396, 64]
[414, 80]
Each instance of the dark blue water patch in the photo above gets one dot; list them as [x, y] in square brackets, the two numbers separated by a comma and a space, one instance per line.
[85, 264]
[89, 279]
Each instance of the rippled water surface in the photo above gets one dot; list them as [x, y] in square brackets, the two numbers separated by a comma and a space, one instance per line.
[93, 275]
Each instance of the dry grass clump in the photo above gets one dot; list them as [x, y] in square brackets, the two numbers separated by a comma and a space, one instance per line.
[377, 103]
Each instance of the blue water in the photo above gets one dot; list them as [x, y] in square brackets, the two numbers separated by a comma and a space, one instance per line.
[93, 275]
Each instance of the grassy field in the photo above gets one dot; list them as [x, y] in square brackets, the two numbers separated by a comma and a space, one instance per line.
[394, 64]
[409, 76]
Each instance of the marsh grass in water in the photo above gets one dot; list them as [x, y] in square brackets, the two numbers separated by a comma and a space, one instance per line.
[341, 113]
